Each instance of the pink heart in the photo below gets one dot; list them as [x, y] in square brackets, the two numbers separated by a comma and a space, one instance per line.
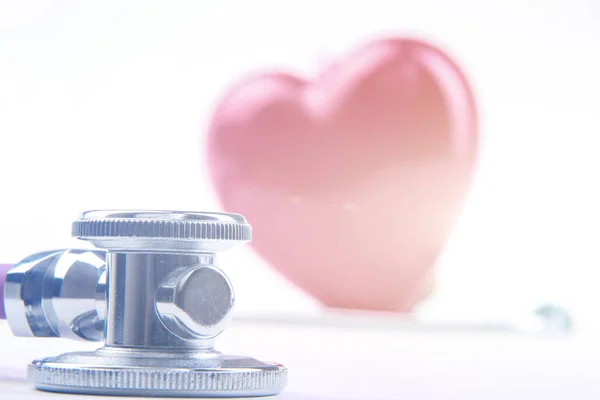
[352, 182]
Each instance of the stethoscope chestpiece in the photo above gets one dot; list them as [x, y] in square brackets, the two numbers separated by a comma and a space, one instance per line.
[153, 293]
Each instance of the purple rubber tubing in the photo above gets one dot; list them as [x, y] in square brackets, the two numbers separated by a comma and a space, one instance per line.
[3, 270]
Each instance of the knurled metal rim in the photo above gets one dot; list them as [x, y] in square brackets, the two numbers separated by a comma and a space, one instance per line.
[157, 381]
[163, 225]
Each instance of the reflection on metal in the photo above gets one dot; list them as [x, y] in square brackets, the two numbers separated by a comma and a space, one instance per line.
[154, 295]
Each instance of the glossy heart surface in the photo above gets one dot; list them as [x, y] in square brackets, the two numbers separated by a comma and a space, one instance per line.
[352, 181]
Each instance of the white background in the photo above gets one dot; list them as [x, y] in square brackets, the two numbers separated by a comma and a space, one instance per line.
[105, 105]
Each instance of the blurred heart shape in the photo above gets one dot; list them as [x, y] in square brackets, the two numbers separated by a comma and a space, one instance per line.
[352, 180]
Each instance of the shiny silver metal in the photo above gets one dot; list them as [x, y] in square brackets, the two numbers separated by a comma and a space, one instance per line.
[152, 372]
[156, 297]
[55, 293]
[195, 317]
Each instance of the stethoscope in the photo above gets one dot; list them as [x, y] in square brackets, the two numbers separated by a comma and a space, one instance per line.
[152, 291]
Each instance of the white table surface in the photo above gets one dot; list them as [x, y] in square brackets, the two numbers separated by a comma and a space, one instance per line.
[374, 359]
